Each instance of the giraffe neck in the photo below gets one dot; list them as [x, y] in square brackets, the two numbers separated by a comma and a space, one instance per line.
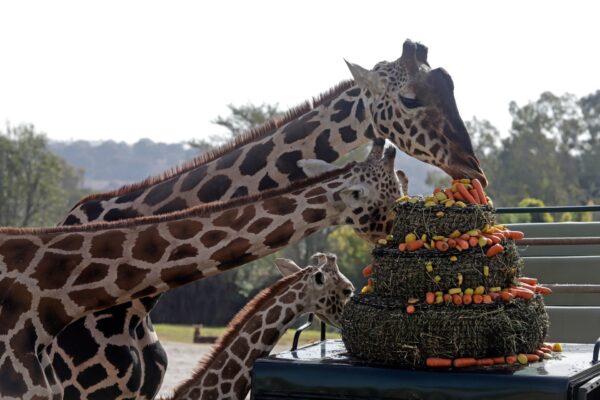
[336, 126]
[254, 331]
[51, 277]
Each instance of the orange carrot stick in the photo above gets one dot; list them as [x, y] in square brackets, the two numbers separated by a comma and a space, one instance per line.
[475, 195]
[543, 290]
[449, 194]
[464, 362]
[414, 245]
[367, 271]
[485, 361]
[529, 281]
[430, 298]
[467, 299]
[511, 359]
[524, 293]
[495, 249]
[499, 360]
[532, 357]
[516, 235]
[441, 245]
[410, 309]
[465, 193]
[479, 188]
[434, 362]
[477, 298]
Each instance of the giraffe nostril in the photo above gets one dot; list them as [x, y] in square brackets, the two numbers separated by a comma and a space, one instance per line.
[347, 292]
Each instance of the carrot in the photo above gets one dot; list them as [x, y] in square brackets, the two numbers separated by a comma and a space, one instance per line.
[473, 241]
[436, 190]
[449, 194]
[524, 293]
[475, 195]
[494, 296]
[485, 361]
[467, 299]
[465, 193]
[532, 357]
[458, 196]
[367, 271]
[402, 247]
[546, 350]
[529, 281]
[464, 362]
[494, 238]
[495, 249]
[465, 236]
[414, 245]
[539, 353]
[487, 299]
[506, 296]
[499, 360]
[430, 298]
[543, 290]
[441, 245]
[410, 309]
[447, 298]
[451, 243]
[516, 235]
[479, 188]
[434, 362]
[527, 286]
[511, 359]
[461, 244]
[457, 299]
[477, 298]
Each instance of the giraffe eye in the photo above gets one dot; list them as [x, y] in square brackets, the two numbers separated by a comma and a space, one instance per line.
[410, 103]
[319, 278]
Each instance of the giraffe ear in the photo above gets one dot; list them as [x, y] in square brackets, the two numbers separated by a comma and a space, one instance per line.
[313, 167]
[365, 79]
[286, 266]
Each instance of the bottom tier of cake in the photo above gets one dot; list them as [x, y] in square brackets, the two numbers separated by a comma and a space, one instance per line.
[378, 329]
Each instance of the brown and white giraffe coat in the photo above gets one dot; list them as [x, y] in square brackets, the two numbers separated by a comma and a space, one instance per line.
[404, 101]
[225, 373]
[49, 277]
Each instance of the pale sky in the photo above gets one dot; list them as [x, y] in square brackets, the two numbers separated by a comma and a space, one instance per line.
[124, 70]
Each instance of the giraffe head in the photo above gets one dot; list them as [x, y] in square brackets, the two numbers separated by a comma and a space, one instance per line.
[366, 193]
[325, 289]
[413, 106]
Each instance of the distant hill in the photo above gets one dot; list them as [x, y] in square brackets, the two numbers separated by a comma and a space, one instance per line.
[109, 165]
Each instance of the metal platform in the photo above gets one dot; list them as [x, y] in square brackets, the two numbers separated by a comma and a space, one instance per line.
[325, 371]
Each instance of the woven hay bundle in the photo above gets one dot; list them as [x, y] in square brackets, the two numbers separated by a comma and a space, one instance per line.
[416, 218]
[378, 329]
[404, 274]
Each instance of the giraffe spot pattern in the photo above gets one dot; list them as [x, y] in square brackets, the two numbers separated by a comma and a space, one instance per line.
[78, 343]
[111, 392]
[311, 215]
[233, 254]
[317, 200]
[273, 315]
[280, 236]
[267, 183]
[280, 205]
[315, 192]
[160, 192]
[91, 299]
[92, 375]
[287, 164]
[72, 220]
[343, 109]
[53, 270]
[174, 205]
[92, 209]
[13, 384]
[149, 246]
[183, 251]
[193, 178]
[359, 112]
[107, 245]
[129, 197]
[17, 254]
[155, 360]
[300, 128]
[231, 369]
[129, 276]
[60, 367]
[184, 230]
[179, 275]
[52, 315]
[230, 218]
[69, 243]
[214, 188]
[348, 134]
[323, 150]
[256, 158]
[240, 192]
[23, 344]
[227, 160]
[240, 348]
[116, 214]
[270, 336]
[92, 273]
[259, 225]
[212, 238]
[14, 304]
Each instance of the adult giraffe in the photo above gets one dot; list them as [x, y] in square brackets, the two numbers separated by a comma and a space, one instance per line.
[51, 277]
[404, 101]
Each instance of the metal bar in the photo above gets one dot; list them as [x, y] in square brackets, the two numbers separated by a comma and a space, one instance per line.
[558, 241]
[301, 329]
[323, 331]
[596, 349]
[551, 209]
[573, 288]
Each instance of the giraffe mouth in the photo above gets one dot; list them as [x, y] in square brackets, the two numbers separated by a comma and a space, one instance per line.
[328, 321]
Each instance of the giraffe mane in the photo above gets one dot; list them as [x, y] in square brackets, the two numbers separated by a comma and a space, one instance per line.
[249, 136]
[201, 210]
[236, 323]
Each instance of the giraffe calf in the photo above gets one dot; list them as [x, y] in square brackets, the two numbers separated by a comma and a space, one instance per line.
[254, 331]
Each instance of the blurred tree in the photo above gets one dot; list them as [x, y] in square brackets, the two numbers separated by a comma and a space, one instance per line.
[353, 253]
[36, 186]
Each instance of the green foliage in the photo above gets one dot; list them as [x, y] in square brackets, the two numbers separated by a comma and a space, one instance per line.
[36, 186]
[353, 253]
[536, 217]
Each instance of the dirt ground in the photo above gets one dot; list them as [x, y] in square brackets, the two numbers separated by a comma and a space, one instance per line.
[183, 358]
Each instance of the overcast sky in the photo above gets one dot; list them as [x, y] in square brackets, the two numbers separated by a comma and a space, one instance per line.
[124, 70]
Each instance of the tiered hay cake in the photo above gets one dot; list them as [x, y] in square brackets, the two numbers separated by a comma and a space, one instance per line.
[431, 300]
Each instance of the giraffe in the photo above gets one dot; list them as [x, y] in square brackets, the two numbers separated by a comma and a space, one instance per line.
[49, 277]
[224, 374]
[404, 101]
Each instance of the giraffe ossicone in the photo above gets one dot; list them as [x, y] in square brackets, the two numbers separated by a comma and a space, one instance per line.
[225, 372]
[404, 101]
[52, 276]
